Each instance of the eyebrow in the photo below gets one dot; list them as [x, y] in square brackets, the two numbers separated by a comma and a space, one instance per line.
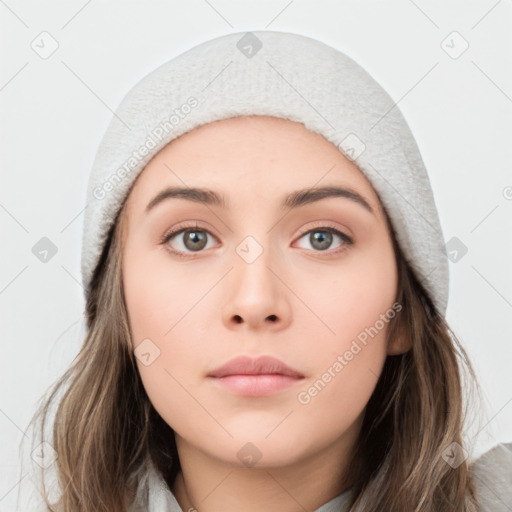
[293, 200]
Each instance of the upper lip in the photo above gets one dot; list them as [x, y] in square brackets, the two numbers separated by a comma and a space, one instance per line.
[262, 365]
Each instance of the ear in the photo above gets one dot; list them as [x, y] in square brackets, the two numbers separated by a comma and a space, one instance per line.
[400, 341]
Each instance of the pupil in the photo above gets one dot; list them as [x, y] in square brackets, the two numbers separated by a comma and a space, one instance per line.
[323, 237]
[197, 238]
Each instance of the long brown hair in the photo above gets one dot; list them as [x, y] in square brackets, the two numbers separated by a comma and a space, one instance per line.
[105, 428]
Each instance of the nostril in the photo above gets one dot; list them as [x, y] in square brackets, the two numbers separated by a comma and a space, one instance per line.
[238, 319]
[272, 318]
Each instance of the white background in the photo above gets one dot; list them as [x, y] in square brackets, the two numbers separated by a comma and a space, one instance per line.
[54, 112]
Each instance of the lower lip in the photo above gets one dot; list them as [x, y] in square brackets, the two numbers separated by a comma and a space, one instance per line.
[256, 385]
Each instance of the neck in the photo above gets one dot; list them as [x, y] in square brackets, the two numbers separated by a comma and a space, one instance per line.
[207, 484]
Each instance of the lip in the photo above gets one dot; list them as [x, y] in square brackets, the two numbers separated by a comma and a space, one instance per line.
[262, 376]
[263, 365]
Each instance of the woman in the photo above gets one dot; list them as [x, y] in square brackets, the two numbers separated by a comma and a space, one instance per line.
[266, 284]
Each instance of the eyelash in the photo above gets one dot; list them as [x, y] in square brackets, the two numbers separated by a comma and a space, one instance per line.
[181, 228]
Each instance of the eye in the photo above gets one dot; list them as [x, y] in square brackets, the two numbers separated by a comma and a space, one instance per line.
[321, 238]
[193, 239]
[190, 239]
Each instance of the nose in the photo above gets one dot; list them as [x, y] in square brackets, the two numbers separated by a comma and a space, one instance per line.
[257, 297]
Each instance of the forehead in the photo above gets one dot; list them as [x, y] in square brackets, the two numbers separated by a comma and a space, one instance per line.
[254, 157]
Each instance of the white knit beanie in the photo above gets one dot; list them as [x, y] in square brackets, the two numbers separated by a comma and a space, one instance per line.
[283, 75]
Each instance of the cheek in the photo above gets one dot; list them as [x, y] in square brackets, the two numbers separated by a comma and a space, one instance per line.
[334, 400]
[356, 308]
[154, 293]
[160, 304]
[354, 296]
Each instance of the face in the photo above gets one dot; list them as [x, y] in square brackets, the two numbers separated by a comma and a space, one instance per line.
[311, 283]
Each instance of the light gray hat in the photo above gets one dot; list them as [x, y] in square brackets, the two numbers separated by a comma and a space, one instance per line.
[283, 75]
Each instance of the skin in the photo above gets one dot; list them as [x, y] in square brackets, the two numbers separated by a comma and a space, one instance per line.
[203, 309]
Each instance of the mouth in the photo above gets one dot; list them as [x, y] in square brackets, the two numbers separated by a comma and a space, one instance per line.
[256, 385]
[262, 376]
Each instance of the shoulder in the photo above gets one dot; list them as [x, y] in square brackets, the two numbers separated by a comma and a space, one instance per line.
[492, 472]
